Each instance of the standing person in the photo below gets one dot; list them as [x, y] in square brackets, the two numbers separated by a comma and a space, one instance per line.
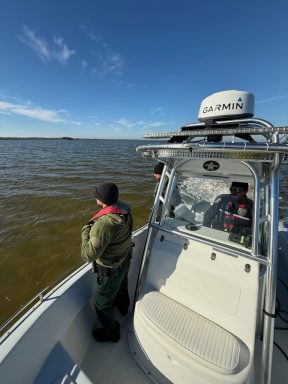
[106, 241]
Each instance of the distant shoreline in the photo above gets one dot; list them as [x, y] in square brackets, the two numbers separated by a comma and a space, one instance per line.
[39, 138]
[62, 138]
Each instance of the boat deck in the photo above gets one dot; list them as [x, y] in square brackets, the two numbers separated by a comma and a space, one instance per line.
[101, 363]
[98, 367]
[113, 362]
[280, 364]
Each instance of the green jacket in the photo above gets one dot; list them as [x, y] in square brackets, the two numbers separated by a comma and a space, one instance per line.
[107, 240]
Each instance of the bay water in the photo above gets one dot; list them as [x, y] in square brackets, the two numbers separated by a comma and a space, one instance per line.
[46, 196]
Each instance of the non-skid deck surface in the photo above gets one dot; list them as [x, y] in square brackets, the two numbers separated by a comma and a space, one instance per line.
[113, 362]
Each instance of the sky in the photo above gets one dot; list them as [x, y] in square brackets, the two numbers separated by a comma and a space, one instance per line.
[122, 68]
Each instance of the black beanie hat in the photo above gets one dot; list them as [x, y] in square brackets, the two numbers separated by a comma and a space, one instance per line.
[107, 193]
[237, 184]
[158, 169]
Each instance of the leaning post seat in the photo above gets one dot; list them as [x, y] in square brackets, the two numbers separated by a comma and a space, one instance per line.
[190, 321]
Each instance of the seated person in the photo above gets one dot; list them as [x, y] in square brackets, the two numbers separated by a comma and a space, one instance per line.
[231, 212]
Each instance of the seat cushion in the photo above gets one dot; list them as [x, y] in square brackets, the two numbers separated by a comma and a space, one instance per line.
[204, 339]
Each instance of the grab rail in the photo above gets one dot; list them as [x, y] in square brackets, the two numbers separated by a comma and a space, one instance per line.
[217, 246]
[220, 147]
[40, 295]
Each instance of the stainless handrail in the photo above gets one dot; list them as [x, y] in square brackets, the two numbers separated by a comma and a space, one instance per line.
[271, 275]
[218, 131]
[147, 246]
[221, 146]
[217, 246]
[261, 122]
[40, 295]
[256, 214]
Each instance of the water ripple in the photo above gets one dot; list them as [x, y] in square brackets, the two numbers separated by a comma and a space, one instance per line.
[46, 196]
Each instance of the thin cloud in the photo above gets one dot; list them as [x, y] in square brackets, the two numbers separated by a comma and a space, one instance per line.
[272, 99]
[106, 61]
[35, 113]
[155, 124]
[158, 111]
[57, 50]
[125, 123]
[63, 53]
[115, 129]
[38, 45]
[84, 64]
[140, 124]
[113, 63]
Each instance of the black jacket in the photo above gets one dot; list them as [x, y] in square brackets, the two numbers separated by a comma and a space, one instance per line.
[229, 213]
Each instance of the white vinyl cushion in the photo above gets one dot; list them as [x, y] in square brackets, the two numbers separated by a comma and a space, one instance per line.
[192, 331]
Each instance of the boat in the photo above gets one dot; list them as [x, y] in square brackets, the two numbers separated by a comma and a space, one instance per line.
[208, 305]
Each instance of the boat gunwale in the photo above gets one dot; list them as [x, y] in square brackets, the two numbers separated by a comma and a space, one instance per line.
[7, 327]
[40, 296]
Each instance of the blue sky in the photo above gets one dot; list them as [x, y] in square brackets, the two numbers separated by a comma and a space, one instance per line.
[121, 68]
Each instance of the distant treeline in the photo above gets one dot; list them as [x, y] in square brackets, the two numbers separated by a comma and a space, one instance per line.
[37, 138]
